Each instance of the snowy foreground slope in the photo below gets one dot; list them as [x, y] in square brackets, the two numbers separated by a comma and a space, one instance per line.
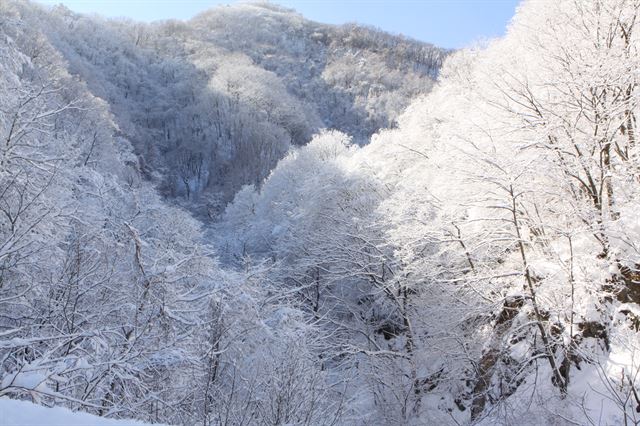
[22, 413]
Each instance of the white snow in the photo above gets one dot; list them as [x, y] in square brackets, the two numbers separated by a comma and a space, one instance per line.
[23, 413]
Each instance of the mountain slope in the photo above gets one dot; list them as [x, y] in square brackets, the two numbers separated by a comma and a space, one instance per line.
[111, 302]
[478, 264]
[213, 103]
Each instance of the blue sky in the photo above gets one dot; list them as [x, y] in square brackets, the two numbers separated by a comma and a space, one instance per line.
[446, 23]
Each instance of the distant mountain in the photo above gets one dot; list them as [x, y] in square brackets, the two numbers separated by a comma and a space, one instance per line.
[213, 103]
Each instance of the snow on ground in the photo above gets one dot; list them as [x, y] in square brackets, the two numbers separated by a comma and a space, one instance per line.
[23, 413]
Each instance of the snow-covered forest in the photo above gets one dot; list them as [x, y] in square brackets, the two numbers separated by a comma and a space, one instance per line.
[250, 218]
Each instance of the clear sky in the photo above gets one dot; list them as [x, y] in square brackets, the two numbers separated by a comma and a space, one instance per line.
[446, 23]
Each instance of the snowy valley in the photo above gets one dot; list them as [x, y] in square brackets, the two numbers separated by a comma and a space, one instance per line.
[251, 218]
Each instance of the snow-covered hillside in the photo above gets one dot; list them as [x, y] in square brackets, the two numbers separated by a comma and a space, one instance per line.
[480, 263]
[475, 262]
[213, 103]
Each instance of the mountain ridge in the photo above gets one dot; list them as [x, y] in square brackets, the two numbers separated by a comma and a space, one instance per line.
[212, 103]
